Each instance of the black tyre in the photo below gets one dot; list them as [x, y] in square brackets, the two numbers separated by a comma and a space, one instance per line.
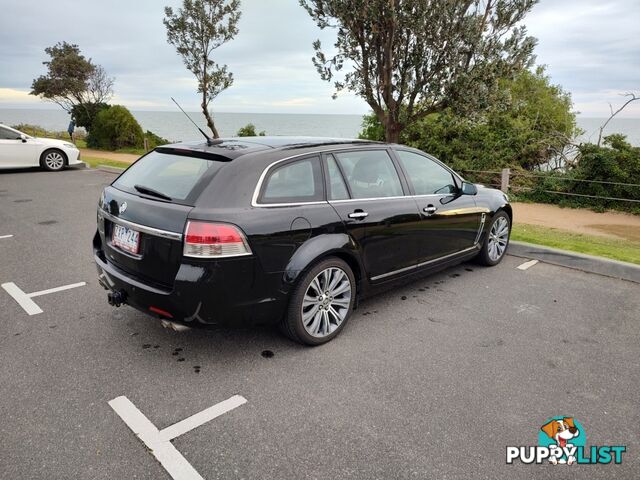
[496, 241]
[321, 303]
[53, 160]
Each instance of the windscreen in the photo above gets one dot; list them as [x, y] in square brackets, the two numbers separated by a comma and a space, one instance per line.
[162, 174]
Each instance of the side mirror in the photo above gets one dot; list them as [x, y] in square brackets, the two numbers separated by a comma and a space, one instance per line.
[469, 188]
[23, 137]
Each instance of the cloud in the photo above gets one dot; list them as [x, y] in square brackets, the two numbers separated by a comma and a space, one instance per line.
[591, 48]
[16, 97]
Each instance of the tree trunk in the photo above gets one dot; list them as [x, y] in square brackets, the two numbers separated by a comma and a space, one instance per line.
[210, 123]
[392, 131]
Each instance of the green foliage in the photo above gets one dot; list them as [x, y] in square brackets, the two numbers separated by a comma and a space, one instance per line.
[38, 131]
[85, 113]
[249, 130]
[72, 81]
[616, 162]
[196, 29]
[526, 129]
[154, 140]
[67, 76]
[411, 58]
[115, 128]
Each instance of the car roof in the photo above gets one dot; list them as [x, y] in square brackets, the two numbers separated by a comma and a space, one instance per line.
[234, 147]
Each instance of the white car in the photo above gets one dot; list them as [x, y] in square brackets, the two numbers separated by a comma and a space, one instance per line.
[18, 150]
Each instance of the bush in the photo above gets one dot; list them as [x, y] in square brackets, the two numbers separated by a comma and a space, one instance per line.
[154, 140]
[38, 131]
[249, 130]
[115, 128]
[616, 161]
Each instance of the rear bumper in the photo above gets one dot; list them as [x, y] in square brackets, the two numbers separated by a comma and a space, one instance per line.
[223, 293]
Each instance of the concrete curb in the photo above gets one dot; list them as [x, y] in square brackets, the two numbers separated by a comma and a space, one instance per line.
[107, 168]
[578, 261]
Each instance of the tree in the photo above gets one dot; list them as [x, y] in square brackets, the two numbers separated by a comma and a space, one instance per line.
[632, 98]
[410, 58]
[533, 125]
[73, 81]
[196, 30]
[249, 130]
[84, 114]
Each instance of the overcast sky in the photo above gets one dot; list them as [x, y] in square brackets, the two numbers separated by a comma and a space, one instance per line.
[591, 48]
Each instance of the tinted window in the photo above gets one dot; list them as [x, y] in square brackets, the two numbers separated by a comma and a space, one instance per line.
[370, 174]
[6, 134]
[337, 190]
[172, 175]
[426, 176]
[299, 181]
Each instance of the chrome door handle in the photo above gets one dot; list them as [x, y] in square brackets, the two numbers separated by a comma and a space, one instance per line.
[429, 209]
[358, 215]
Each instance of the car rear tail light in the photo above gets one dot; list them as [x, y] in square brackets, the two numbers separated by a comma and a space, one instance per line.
[214, 240]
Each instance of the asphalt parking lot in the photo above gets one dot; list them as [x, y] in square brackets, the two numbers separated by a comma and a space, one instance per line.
[430, 380]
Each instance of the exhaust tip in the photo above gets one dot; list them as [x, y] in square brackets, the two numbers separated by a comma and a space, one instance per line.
[177, 327]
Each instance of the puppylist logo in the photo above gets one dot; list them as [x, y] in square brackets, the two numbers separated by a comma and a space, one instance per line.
[562, 441]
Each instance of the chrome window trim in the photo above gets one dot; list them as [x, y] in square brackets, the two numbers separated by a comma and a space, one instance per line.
[141, 228]
[412, 267]
[256, 191]
[347, 200]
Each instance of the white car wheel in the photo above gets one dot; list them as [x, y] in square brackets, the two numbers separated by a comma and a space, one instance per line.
[53, 160]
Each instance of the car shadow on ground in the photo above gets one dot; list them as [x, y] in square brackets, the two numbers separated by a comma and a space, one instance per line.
[223, 345]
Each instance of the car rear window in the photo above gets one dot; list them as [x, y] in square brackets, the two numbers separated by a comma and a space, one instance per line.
[174, 176]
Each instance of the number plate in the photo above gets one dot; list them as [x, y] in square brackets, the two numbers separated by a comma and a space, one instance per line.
[125, 239]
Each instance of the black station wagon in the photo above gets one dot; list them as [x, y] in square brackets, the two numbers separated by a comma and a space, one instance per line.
[291, 231]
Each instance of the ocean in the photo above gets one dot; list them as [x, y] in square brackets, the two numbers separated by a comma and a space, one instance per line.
[175, 126]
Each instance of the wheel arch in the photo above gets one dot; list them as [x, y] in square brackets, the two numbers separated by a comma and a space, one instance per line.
[319, 248]
[65, 157]
[508, 210]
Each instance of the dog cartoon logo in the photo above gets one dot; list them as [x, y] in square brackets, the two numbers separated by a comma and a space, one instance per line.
[564, 432]
[563, 441]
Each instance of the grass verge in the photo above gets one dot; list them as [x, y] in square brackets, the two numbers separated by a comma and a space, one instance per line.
[93, 162]
[616, 249]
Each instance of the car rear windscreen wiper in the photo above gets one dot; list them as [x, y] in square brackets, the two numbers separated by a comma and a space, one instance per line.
[151, 191]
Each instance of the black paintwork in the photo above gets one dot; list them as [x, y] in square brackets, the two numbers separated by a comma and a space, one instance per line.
[285, 240]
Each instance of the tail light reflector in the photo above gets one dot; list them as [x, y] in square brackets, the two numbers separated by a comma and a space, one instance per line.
[214, 240]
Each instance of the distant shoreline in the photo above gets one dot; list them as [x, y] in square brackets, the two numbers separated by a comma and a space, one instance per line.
[174, 125]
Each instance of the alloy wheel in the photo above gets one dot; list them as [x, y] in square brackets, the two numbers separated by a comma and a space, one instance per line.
[498, 238]
[54, 161]
[326, 302]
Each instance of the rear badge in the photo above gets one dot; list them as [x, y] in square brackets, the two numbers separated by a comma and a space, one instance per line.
[123, 207]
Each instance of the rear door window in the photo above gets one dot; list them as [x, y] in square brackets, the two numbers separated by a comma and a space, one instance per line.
[295, 182]
[370, 174]
[174, 176]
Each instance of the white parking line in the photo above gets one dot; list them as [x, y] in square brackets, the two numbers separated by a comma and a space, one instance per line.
[527, 265]
[5, 236]
[24, 299]
[159, 441]
[57, 289]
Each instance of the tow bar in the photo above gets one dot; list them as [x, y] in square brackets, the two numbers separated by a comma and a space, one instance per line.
[116, 298]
